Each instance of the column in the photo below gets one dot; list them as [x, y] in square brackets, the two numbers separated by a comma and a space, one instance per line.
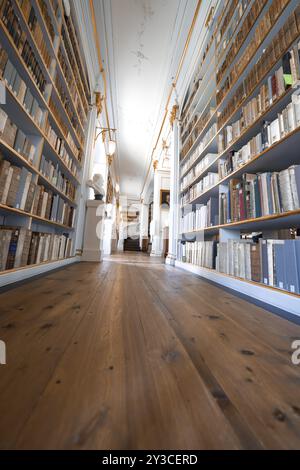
[174, 196]
[144, 222]
[156, 244]
[83, 190]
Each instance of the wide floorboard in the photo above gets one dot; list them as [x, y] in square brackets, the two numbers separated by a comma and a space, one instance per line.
[132, 354]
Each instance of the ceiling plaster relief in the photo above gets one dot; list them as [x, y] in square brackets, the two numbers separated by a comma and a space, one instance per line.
[148, 13]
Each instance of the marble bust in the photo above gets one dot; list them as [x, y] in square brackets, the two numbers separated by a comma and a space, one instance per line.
[96, 183]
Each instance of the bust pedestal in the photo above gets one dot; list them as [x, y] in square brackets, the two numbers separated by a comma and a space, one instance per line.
[93, 232]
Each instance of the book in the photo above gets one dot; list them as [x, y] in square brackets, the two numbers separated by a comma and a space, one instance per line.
[13, 187]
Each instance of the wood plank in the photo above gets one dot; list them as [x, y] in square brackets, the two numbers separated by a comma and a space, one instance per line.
[262, 385]
[133, 354]
[36, 342]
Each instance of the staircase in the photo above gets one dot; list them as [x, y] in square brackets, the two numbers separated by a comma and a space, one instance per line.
[132, 244]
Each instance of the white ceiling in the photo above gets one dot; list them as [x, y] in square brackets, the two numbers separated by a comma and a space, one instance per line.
[141, 45]
[142, 39]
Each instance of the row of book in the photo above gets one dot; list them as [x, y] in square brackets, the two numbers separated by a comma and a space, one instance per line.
[74, 56]
[13, 26]
[276, 50]
[36, 30]
[11, 20]
[53, 174]
[196, 171]
[19, 89]
[229, 23]
[61, 90]
[287, 34]
[203, 142]
[196, 126]
[199, 253]
[16, 138]
[31, 19]
[47, 18]
[209, 180]
[269, 92]
[205, 215]
[287, 121]
[243, 32]
[60, 147]
[64, 129]
[223, 36]
[75, 67]
[275, 263]
[19, 190]
[187, 108]
[71, 84]
[263, 194]
[21, 247]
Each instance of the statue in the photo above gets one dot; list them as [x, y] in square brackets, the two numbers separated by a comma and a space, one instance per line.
[97, 185]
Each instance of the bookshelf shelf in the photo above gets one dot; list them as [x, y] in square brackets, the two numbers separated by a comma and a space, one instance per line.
[78, 63]
[213, 166]
[268, 115]
[15, 157]
[243, 45]
[45, 182]
[4, 208]
[208, 123]
[258, 53]
[20, 65]
[251, 165]
[41, 141]
[286, 219]
[210, 147]
[52, 153]
[50, 81]
[6, 40]
[74, 79]
[221, 53]
[32, 266]
[63, 47]
[21, 116]
[199, 97]
[25, 272]
[269, 158]
[33, 42]
[267, 294]
[46, 35]
[55, 49]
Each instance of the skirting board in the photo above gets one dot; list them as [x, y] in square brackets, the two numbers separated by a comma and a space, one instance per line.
[31, 271]
[272, 297]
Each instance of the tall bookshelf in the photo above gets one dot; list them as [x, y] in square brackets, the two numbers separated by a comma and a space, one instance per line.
[43, 119]
[239, 154]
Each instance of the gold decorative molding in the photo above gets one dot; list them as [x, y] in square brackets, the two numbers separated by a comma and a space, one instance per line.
[209, 17]
[155, 164]
[100, 61]
[109, 160]
[173, 114]
[99, 102]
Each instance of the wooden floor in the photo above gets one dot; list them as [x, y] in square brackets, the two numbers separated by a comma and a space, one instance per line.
[131, 354]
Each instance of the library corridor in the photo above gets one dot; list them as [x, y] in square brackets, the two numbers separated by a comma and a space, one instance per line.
[133, 354]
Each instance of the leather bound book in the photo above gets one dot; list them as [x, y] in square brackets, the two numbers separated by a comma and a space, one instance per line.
[13, 188]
